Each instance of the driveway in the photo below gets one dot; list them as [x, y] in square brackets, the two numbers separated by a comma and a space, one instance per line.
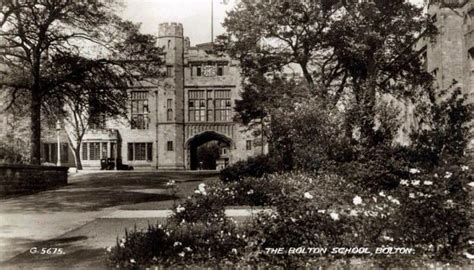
[54, 215]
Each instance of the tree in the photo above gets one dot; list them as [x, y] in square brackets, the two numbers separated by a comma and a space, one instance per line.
[375, 43]
[443, 127]
[282, 36]
[96, 91]
[359, 51]
[33, 33]
[98, 88]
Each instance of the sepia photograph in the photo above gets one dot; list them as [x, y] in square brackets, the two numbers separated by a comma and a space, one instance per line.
[236, 134]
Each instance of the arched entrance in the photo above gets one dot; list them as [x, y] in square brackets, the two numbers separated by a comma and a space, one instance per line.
[208, 151]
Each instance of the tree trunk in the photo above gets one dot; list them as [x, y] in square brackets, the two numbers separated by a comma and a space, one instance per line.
[368, 111]
[77, 157]
[368, 104]
[75, 149]
[35, 125]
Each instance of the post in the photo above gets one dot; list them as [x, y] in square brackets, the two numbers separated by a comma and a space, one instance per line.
[58, 129]
[212, 22]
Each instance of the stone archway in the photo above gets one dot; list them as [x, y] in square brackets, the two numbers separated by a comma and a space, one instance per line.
[193, 145]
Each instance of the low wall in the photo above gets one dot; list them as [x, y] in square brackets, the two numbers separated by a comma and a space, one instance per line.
[23, 179]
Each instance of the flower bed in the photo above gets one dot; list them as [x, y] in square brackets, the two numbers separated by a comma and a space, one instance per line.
[428, 212]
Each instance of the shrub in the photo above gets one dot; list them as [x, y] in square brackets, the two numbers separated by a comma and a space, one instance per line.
[322, 211]
[255, 191]
[205, 205]
[14, 153]
[435, 216]
[177, 244]
[377, 169]
[252, 167]
[427, 211]
[213, 197]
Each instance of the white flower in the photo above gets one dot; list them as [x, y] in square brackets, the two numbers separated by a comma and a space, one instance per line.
[250, 192]
[414, 171]
[449, 203]
[308, 195]
[428, 183]
[234, 251]
[293, 220]
[353, 213]
[171, 183]
[357, 200]
[155, 259]
[202, 187]
[388, 238]
[188, 249]
[321, 211]
[416, 182]
[471, 184]
[464, 168]
[448, 175]
[469, 255]
[180, 209]
[176, 244]
[393, 200]
[181, 254]
[411, 195]
[109, 249]
[435, 175]
[122, 245]
[132, 261]
[381, 194]
[334, 216]
[370, 213]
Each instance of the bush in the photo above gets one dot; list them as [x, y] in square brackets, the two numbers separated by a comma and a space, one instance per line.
[13, 153]
[322, 211]
[378, 169]
[252, 167]
[435, 216]
[177, 244]
[212, 198]
[427, 211]
[197, 233]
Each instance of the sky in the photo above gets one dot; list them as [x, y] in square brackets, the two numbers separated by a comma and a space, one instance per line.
[195, 15]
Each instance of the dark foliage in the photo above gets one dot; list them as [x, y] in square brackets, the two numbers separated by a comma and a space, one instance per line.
[252, 167]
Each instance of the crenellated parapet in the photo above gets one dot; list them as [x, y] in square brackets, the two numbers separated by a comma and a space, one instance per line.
[170, 30]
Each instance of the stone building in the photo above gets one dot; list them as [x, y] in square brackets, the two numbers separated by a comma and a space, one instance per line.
[449, 56]
[171, 118]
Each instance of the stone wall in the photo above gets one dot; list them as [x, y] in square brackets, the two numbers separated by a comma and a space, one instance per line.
[24, 179]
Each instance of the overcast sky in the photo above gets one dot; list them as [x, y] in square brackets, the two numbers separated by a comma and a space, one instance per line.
[195, 15]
